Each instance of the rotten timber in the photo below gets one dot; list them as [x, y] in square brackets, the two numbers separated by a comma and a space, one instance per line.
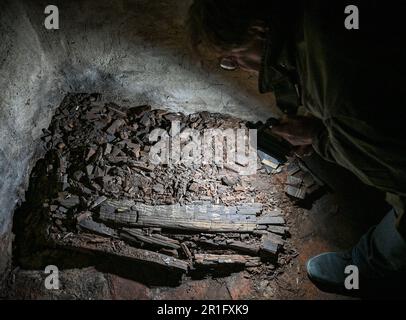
[153, 239]
[209, 218]
[91, 243]
[238, 246]
[97, 228]
[210, 260]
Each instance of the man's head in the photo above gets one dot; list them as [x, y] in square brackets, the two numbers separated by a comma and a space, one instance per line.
[235, 30]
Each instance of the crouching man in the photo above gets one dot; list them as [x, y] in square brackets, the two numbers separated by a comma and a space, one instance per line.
[351, 82]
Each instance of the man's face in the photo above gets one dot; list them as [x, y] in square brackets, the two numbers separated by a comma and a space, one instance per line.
[247, 57]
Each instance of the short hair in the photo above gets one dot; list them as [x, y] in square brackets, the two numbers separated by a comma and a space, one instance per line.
[224, 23]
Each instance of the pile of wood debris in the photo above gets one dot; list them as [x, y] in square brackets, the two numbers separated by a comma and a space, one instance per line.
[96, 191]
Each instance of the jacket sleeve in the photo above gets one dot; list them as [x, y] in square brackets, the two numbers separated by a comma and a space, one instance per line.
[374, 155]
[322, 145]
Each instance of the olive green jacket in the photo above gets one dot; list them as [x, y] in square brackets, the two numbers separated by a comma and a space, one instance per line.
[352, 80]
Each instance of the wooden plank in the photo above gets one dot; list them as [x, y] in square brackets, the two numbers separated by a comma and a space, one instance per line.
[270, 220]
[274, 213]
[268, 246]
[111, 212]
[292, 168]
[278, 230]
[294, 181]
[249, 209]
[299, 193]
[207, 218]
[234, 245]
[278, 239]
[94, 244]
[97, 228]
[155, 240]
[186, 250]
[226, 259]
[98, 201]
[198, 226]
[243, 247]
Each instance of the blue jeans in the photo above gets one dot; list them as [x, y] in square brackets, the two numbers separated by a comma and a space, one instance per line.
[381, 252]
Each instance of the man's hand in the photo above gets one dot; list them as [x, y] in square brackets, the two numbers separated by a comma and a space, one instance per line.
[299, 131]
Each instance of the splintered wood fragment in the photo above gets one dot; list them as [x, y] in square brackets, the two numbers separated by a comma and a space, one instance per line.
[98, 201]
[274, 213]
[235, 168]
[226, 259]
[237, 246]
[304, 168]
[116, 110]
[210, 218]
[308, 180]
[104, 246]
[141, 165]
[116, 214]
[293, 168]
[115, 126]
[96, 227]
[278, 239]
[186, 250]
[108, 149]
[89, 169]
[243, 247]
[139, 110]
[278, 230]
[268, 246]
[294, 181]
[90, 153]
[83, 215]
[68, 202]
[312, 189]
[249, 209]
[155, 240]
[268, 161]
[270, 220]
[299, 193]
[159, 236]
[261, 227]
